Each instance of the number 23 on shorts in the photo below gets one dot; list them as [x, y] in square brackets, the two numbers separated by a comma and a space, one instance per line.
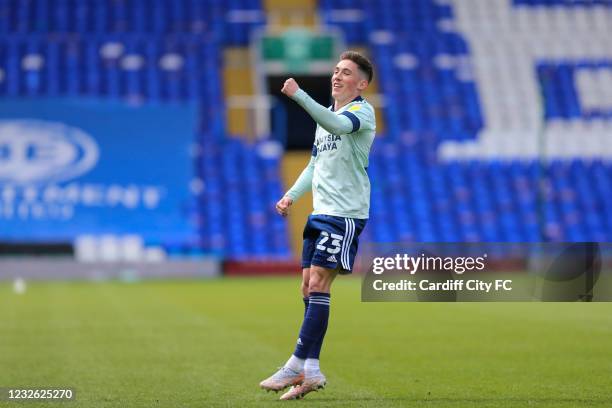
[332, 247]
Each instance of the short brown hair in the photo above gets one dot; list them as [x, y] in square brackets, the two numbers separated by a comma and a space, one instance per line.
[362, 62]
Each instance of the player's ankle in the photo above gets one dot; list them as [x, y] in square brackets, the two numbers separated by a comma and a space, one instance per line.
[295, 363]
[311, 368]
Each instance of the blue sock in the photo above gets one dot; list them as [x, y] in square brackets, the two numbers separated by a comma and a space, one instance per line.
[315, 350]
[314, 326]
[306, 302]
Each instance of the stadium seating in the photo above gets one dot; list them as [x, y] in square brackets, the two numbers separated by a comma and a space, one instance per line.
[427, 189]
[164, 51]
[465, 131]
[229, 22]
[242, 185]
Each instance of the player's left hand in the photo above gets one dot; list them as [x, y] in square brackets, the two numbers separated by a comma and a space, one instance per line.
[282, 207]
[290, 87]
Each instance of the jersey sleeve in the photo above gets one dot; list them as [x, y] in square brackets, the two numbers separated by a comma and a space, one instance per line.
[303, 183]
[328, 120]
[361, 116]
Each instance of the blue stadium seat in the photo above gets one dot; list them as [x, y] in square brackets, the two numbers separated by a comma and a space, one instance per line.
[169, 51]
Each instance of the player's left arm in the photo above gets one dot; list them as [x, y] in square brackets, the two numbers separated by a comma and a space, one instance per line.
[362, 115]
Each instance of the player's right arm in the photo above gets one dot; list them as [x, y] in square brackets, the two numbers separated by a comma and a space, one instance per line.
[328, 120]
[301, 185]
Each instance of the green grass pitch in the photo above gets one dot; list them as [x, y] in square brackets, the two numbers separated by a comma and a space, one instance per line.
[209, 343]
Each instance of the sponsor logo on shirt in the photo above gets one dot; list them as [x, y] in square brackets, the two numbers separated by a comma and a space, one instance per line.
[327, 142]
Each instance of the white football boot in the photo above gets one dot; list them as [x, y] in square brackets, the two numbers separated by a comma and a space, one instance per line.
[282, 379]
[308, 385]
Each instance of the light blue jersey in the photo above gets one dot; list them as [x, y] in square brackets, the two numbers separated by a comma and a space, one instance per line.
[337, 171]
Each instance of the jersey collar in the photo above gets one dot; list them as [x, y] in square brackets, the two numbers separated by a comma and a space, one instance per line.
[357, 99]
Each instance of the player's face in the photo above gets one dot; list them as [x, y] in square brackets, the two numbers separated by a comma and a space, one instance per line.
[347, 81]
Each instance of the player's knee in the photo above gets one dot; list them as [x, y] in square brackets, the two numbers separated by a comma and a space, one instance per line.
[312, 286]
[318, 281]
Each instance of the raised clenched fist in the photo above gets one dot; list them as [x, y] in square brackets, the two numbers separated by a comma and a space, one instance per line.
[290, 87]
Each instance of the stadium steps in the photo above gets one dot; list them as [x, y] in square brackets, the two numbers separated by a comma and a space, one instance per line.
[291, 13]
[238, 85]
[292, 165]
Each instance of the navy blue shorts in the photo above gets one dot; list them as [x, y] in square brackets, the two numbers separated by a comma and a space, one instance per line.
[331, 242]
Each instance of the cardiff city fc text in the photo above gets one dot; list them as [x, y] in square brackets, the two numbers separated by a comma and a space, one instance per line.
[448, 285]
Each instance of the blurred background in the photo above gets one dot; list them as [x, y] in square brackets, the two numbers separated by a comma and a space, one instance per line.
[149, 138]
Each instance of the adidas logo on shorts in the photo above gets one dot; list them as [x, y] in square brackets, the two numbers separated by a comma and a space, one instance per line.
[332, 259]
